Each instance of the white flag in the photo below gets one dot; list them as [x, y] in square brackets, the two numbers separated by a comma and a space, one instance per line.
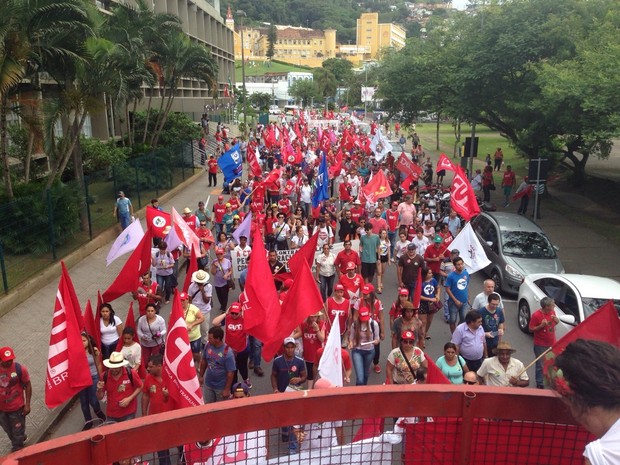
[380, 145]
[470, 249]
[127, 241]
[330, 365]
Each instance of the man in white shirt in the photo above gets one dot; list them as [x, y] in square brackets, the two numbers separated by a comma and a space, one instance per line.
[503, 370]
[482, 299]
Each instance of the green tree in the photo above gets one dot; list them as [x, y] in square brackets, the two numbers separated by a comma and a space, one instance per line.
[325, 82]
[304, 91]
[272, 36]
[262, 100]
[340, 68]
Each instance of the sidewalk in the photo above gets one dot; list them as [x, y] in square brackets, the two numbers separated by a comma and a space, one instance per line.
[26, 328]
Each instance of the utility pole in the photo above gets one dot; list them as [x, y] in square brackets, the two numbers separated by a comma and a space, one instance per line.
[242, 15]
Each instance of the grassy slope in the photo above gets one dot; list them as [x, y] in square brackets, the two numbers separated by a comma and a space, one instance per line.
[259, 68]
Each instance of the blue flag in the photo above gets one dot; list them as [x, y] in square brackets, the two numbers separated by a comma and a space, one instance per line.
[321, 184]
[230, 164]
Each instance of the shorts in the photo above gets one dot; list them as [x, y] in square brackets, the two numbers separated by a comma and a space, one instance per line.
[383, 258]
[455, 311]
[309, 371]
[368, 269]
[196, 346]
[424, 308]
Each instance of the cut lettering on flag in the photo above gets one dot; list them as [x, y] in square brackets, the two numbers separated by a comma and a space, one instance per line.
[127, 241]
[138, 263]
[603, 325]
[462, 196]
[380, 145]
[231, 164]
[260, 302]
[179, 365]
[330, 365]
[377, 188]
[244, 228]
[408, 167]
[444, 163]
[471, 250]
[67, 367]
[321, 184]
[157, 221]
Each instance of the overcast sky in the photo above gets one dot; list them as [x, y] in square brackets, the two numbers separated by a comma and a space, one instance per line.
[459, 4]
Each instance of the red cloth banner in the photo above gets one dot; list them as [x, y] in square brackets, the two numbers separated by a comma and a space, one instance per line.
[157, 221]
[444, 163]
[462, 196]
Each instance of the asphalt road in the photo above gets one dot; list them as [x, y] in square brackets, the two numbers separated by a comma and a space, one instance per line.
[440, 334]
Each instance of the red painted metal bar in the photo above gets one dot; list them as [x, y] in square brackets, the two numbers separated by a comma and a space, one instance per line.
[104, 445]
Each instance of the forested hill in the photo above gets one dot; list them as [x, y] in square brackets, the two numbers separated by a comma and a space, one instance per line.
[319, 14]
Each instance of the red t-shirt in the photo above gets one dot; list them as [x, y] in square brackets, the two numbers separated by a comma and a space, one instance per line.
[311, 341]
[378, 224]
[343, 258]
[234, 203]
[352, 285]
[212, 165]
[546, 336]
[284, 205]
[191, 221]
[158, 403]
[236, 337]
[120, 388]
[142, 296]
[11, 389]
[356, 214]
[344, 192]
[509, 178]
[340, 310]
[434, 252]
[218, 212]
[392, 220]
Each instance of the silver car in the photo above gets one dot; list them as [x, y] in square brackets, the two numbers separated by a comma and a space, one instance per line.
[576, 297]
[516, 246]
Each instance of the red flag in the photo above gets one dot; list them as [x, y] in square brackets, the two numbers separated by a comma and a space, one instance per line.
[67, 366]
[433, 374]
[253, 156]
[261, 306]
[302, 300]
[335, 169]
[417, 292]
[603, 325]
[226, 91]
[138, 263]
[184, 231]
[407, 166]
[462, 197]
[179, 365]
[406, 184]
[370, 428]
[527, 191]
[90, 326]
[193, 267]
[272, 179]
[444, 163]
[157, 221]
[378, 187]
[305, 253]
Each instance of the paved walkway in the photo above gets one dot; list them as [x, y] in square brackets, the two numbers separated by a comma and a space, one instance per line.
[27, 327]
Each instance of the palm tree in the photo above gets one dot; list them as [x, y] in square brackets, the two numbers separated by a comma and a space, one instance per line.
[31, 33]
[180, 58]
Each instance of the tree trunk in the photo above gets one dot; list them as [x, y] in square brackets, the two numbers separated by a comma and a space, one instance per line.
[128, 123]
[133, 133]
[65, 154]
[148, 114]
[457, 137]
[163, 119]
[28, 158]
[155, 135]
[4, 102]
[437, 131]
[78, 168]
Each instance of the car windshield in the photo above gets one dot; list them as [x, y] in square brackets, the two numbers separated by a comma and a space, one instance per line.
[526, 244]
[590, 305]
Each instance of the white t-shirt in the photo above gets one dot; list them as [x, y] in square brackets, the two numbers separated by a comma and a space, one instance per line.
[305, 193]
[109, 333]
[421, 244]
[325, 235]
[606, 450]
[482, 300]
[400, 248]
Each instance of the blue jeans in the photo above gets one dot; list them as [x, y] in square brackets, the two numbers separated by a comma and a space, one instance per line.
[454, 311]
[326, 285]
[125, 219]
[538, 350]
[361, 363]
[255, 351]
[392, 236]
[88, 399]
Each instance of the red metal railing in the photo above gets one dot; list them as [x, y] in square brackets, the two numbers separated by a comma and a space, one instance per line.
[467, 406]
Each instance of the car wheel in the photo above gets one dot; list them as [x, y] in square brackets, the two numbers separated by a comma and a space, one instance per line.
[523, 317]
[495, 276]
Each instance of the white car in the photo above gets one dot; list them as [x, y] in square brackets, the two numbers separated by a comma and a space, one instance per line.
[576, 297]
[274, 110]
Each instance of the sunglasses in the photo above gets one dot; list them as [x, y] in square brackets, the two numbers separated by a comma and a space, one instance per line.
[469, 382]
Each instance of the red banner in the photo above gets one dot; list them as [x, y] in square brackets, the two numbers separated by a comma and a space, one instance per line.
[408, 167]
[444, 163]
[377, 188]
[157, 221]
[462, 197]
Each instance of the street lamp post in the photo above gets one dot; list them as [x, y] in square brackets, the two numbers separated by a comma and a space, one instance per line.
[242, 15]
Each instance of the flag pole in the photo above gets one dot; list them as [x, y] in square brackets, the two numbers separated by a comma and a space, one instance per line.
[534, 361]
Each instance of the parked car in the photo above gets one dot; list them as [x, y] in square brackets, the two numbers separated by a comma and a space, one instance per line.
[516, 246]
[576, 297]
[274, 110]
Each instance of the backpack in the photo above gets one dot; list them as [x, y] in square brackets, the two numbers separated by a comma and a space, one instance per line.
[19, 371]
[129, 375]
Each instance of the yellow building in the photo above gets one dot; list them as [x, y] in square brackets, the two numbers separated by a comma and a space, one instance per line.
[373, 36]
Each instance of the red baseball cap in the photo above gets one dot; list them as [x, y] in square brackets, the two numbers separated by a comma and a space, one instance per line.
[6, 354]
[364, 314]
[219, 250]
[408, 335]
[339, 287]
[403, 291]
[235, 308]
[183, 296]
[220, 197]
[368, 288]
[350, 266]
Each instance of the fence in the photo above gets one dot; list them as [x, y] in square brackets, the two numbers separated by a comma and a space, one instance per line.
[40, 227]
[440, 425]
